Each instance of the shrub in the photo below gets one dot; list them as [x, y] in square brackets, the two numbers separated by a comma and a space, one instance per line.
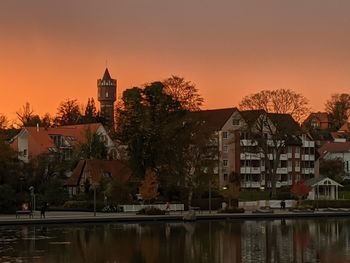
[7, 199]
[232, 210]
[150, 211]
[328, 203]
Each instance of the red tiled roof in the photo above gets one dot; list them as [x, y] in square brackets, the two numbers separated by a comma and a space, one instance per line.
[334, 147]
[95, 169]
[39, 140]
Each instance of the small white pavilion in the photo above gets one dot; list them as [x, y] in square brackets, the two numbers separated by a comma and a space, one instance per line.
[323, 188]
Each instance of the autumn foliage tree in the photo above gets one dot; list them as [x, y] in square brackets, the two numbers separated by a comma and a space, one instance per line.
[300, 189]
[149, 186]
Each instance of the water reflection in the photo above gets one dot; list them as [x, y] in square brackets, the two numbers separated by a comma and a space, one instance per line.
[214, 241]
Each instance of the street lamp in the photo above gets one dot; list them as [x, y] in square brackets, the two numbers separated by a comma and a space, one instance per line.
[209, 196]
[94, 199]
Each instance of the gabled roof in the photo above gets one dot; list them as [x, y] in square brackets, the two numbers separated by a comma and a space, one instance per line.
[40, 139]
[96, 169]
[106, 75]
[213, 119]
[322, 180]
[250, 116]
[334, 147]
[320, 116]
[285, 123]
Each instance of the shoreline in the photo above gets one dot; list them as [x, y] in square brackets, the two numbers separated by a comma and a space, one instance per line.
[87, 217]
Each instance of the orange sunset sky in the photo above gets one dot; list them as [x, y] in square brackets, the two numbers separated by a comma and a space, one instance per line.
[54, 50]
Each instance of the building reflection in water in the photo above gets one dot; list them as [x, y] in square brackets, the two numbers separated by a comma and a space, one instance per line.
[325, 240]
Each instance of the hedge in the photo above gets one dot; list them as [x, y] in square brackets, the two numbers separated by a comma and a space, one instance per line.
[328, 203]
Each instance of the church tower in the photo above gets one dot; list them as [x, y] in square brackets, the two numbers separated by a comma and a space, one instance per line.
[107, 89]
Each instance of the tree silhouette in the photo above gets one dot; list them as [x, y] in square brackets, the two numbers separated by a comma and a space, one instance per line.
[184, 92]
[283, 101]
[68, 113]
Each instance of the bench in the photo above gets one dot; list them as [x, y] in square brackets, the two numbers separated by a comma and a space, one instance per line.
[24, 212]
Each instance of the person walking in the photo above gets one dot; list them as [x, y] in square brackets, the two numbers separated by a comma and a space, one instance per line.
[43, 210]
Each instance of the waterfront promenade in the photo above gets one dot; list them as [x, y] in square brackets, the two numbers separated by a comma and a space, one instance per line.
[53, 217]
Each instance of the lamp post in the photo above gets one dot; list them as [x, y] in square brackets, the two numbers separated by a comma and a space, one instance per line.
[209, 196]
[94, 200]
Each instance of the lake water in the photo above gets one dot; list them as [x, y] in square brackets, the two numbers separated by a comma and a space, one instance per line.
[311, 240]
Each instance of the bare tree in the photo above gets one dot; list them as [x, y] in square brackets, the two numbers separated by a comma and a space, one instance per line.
[278, 101]
[27, 117]
[269, 132]
[3, 122]
[338, 106]
[183, 91]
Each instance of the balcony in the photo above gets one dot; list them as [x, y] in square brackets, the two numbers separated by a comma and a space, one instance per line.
[284, 157]
[308, 171]
[251, 184]
[250, 156]
[246, 142]
[251, 170]
[283, 170]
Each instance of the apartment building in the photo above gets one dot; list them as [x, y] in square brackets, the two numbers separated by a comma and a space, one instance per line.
[240, 152]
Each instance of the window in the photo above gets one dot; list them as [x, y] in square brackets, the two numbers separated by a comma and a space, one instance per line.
[297, 163]
[289, 163]
[25, 152]
[225, 177]
[235, 122]
[290, 149]
[106, 94]
[225, 148]
[225, 163]
[225, 135]
[297, 149]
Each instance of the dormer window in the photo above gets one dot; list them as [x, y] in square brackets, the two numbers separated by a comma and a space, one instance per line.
[235, 122]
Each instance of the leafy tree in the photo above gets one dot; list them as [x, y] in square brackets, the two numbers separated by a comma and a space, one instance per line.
[118, 192]
[90, 115]
[68, 113]
[332, 168]
[300, 190]
[338, 106]
[46, 120]
[232, 189]
[93, 148]
[149, 186]
[183, 91]
[283, 101]
[144, 124]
